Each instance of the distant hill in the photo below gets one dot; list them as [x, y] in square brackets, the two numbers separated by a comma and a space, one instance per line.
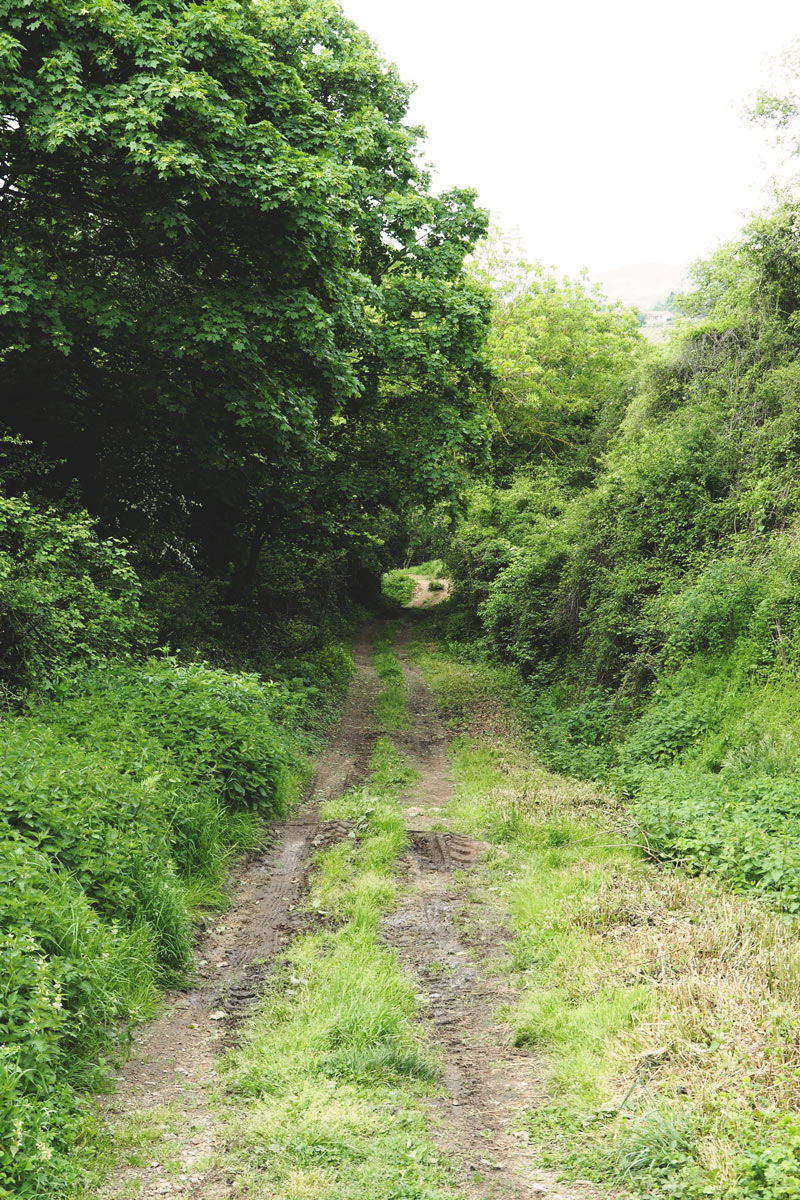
[642, 285]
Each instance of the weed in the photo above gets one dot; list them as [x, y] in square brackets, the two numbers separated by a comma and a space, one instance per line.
[391, 704]
[397, 588]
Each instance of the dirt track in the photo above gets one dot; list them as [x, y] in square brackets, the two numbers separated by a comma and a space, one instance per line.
[423, 597]
[174, 1061]
[488, 1083]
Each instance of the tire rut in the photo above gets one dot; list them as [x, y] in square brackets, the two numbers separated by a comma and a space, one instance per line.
[173, 1065]
[489, 1084]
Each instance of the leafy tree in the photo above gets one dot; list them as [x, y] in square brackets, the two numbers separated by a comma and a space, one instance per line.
[561, 356]
[227, 289]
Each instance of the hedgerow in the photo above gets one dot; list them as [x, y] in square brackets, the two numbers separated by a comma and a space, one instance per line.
[68, 598]
[644, 576]
[121, 807]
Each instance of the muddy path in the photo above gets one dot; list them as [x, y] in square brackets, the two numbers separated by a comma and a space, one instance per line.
[452, 940]
[454, 946]
[173, 1067]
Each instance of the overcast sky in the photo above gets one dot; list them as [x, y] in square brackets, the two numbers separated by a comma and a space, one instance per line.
[608, 132]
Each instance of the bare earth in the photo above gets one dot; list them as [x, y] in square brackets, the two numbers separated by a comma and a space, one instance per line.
[423, 596]
[488, 1083]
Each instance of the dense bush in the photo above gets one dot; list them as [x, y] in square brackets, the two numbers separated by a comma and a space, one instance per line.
[397, 587]
[120, 808]
[645, 579]
[67, 597]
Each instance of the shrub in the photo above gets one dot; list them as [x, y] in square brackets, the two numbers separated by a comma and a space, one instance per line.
[397, 587]
[68, 598]
[120, 809]
[746, 830]
[772, 1172]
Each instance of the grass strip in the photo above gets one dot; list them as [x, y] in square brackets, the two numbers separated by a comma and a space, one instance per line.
[328, 1088]
[665, 1007]
[392, 704]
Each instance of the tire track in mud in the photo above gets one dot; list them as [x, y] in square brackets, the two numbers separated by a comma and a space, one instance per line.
[489, 1083]
[173, 1065]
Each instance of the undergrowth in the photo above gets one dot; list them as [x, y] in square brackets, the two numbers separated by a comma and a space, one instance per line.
[398, 586]
[709, 760]
[122, 806]
[665, 1006]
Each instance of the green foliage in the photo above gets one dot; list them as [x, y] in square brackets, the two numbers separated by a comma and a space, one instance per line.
[772, 1172]
[659, 1153]
[234, 310]
[745, 830]
[121, 807]
[68, 598]
[397, 587]
[561, 357]
[31, 1062]
[647, 586]
[431, 569]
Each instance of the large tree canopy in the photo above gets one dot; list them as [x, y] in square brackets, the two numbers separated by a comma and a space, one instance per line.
[231, 305]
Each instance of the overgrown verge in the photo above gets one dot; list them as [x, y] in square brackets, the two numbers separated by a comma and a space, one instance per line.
[122, 805]
[397, 587]
[328, 1089]
[633, 551]
[665, 1006]
[708, 761]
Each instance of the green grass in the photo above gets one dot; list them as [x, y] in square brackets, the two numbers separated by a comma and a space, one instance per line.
[659, 1003]
[548, 870]
[661, 1009]
[391, 707]
[434, 568]
[397, 587]
[325, 1099]
[328, 1091]
[123, 808]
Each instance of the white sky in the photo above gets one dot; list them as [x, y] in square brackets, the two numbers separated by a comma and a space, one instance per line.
[608, 132]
